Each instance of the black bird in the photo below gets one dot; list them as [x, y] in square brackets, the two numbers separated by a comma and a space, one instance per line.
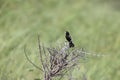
[68, 38]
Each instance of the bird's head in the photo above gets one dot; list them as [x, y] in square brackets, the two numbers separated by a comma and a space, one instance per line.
[67, 33]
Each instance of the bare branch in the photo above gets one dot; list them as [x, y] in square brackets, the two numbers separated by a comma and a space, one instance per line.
[40, 54]
[57, 61]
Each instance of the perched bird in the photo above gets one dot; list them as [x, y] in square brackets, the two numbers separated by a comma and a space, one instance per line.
[68, 38]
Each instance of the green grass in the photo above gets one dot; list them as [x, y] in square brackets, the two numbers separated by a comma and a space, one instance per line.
[94, 25]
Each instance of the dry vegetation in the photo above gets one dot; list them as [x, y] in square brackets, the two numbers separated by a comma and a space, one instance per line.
[57, 61]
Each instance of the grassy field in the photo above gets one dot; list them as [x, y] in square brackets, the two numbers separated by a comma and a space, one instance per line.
[93, 24]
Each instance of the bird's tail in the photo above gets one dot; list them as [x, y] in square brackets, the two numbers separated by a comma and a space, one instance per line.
[71, 44]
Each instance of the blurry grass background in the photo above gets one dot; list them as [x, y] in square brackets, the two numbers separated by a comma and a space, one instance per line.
[93, 24]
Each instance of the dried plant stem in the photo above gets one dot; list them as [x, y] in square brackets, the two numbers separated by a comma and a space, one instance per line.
[31, 61]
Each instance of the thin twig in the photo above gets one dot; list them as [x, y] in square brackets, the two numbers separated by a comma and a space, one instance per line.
[31, 61]
[46, 59]
[40, 54]
[46, 76]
